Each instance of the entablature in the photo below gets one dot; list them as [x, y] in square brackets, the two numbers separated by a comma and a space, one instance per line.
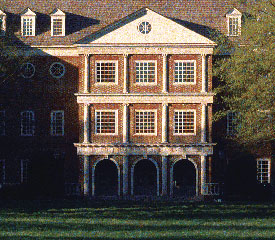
[203, 98]
[204, 149]
[146, 49]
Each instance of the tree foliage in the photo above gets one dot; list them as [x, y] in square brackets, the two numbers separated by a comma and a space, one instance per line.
[247, 76]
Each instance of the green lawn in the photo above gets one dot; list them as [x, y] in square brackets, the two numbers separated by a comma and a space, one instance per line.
[121, 220]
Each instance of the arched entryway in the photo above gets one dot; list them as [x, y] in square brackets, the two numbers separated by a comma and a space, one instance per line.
[145, 178]
[105, 178]
[183, 179]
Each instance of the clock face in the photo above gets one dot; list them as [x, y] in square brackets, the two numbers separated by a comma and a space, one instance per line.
[144, 27]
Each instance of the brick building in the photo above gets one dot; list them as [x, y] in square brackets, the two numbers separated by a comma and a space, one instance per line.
[115, 96]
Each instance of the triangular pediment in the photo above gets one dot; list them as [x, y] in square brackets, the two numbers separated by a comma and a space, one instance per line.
[57, 12]
[234, 12]
[146, 27]
[28, 12]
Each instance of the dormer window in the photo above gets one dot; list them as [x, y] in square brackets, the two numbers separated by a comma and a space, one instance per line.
[28, 19]
[234, 19]
[58, 23]
[3, 18]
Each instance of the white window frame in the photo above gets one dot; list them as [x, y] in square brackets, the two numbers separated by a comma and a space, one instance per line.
[260, 177]
[3, 122]
[53, 122]
[116, 72]
[155, 121]
[24, 172]
[32, 26]
[116, 121]
[146, 83]
[62, 27]
[31, 123]
[230, 127]
[237, 15]
[195, 72]
[195, 122]
[3, 163]
[3, 23]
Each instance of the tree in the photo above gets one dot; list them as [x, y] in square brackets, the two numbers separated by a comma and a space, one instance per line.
[247, 76]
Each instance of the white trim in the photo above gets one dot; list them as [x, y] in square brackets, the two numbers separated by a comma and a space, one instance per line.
[268, 160]
[116, 72]
[93, 174]
[195, 122]
[155, 72]
[132, 98]
[132, 173]
[57, 63]
[53, 122]
[155, 122]
[195, 72]
[234, 14]
[116, 121]
[33, 23]
[58, 17]
[31, 123]
[172, 176]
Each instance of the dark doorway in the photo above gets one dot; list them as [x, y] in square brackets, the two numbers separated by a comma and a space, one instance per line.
[184, 179]
[145, 178]
[106, 178]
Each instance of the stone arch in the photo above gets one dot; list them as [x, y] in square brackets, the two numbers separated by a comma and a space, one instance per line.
[172, 174]
[93, 174]
[132, 173]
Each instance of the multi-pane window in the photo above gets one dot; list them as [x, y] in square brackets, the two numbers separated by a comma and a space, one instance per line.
[24, 171]
[57, 27]
[106, 122]
[184, 122]
[233, 26]
[145, 71]
[2, 123]
[185, 71]
[28, 27]
[27, 123]
[145, 122]
[263, 170]
[231, 123]
[106, 72]
[2, 172]
[57, 123]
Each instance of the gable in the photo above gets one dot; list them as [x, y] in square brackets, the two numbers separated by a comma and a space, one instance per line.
[162, 30]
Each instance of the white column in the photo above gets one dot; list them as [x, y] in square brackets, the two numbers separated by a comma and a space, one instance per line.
[125, 175]
[86, 176]
[125, 73]
[86, 73]
[164, 175]
[125, 123]
[164, 73]
[164, 133]
[203, 73]
[203, 174]
[86, 123]
[203, 123]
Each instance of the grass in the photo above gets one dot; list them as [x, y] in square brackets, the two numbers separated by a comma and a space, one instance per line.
[130, 220]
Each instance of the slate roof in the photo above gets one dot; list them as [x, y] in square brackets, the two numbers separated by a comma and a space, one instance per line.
[84, 17]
